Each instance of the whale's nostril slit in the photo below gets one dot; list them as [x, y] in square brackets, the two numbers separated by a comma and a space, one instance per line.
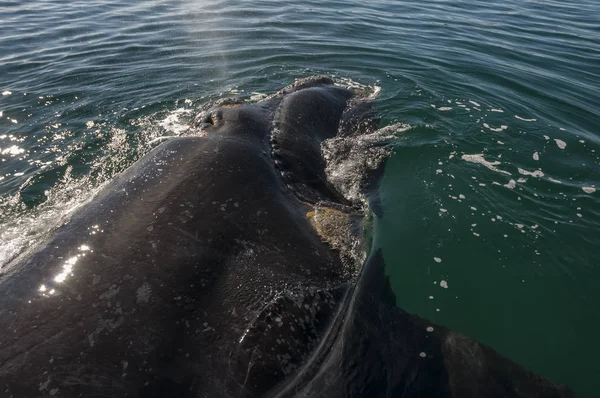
[204, 121]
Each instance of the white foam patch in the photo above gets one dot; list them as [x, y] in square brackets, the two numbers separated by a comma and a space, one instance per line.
[371, 91]
[496, 129]
[444, 108]
[497, 110]
[375, 93]
[536, 173]
[511, 184]
[479, 159]
[349, 160]
[560, 143]
[173, 122]
[524, 119]
[444, 284]
[589, 189]
[475, 103]
[6, 92]
[536, 156]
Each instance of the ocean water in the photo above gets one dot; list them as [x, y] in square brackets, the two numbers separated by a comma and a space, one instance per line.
[491, 201]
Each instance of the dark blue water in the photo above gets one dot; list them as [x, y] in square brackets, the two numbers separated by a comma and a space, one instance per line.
[491, 214]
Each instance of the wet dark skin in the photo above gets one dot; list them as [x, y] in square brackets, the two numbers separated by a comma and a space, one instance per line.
[197, 273]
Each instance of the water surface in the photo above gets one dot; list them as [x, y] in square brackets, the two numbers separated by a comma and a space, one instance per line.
[491, 218]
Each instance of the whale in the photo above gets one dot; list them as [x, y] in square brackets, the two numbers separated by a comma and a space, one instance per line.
[228, 263]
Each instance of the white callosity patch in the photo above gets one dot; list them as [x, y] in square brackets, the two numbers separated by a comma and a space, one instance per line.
[336, 228]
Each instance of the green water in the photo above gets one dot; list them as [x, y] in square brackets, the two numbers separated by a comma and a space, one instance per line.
[86, 86]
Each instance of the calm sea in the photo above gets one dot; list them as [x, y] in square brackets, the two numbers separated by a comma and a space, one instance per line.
[491, 201]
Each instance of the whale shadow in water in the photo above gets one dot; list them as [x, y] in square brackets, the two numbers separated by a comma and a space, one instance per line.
[229, 264]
